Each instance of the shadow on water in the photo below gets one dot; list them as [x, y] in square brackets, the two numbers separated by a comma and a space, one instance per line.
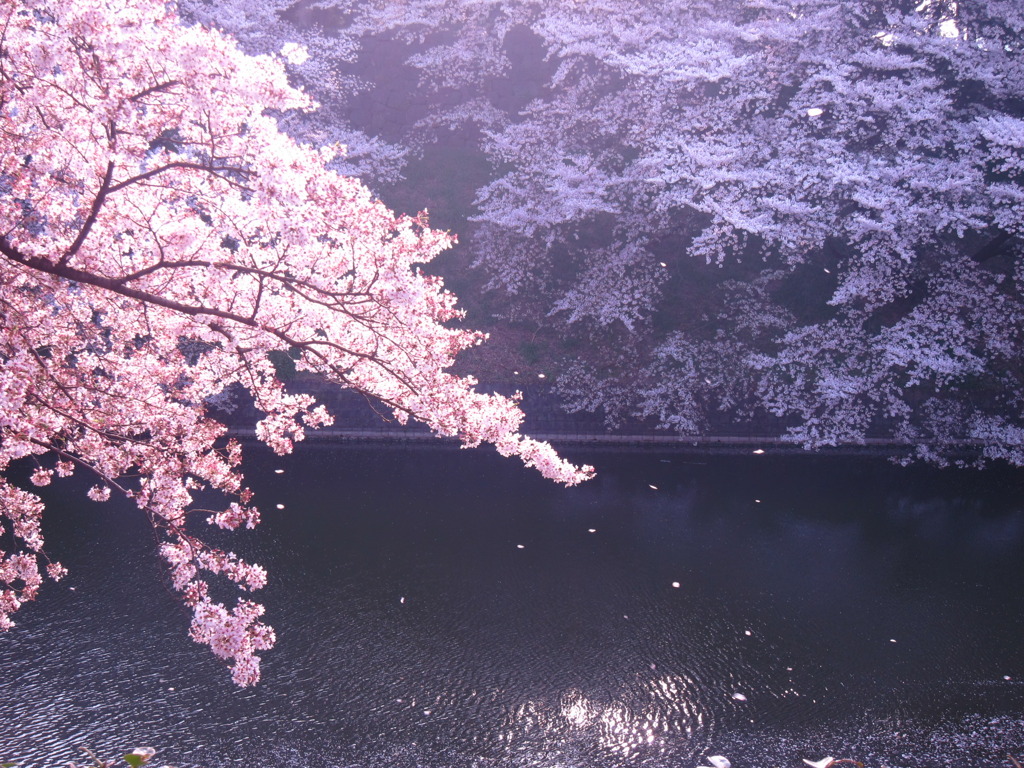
[443, 608]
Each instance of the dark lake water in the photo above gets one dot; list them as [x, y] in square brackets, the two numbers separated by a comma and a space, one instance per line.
[447, 609]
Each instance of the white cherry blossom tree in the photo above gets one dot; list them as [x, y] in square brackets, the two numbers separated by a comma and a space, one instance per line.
[877, 144]
[858, 163]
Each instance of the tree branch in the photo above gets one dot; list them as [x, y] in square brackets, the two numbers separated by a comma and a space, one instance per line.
[83, 233]
[154, 89]
[89, 278]
[214, 169]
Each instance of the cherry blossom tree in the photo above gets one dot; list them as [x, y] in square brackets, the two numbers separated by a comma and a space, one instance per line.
[877, 145]
[710, 201]
[161, 238]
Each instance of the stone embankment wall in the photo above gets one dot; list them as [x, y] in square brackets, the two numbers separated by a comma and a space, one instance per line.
[357, 418]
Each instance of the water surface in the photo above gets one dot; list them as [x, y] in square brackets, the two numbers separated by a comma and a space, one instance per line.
[443, 608]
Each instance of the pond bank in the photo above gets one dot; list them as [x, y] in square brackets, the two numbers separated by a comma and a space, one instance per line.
[387, 433]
